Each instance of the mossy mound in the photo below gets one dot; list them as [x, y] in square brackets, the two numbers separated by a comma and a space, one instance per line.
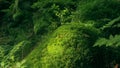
[68, 47]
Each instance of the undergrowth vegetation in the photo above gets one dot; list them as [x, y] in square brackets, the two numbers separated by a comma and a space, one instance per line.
[59, 33]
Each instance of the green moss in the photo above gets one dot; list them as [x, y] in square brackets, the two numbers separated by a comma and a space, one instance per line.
[67, 45]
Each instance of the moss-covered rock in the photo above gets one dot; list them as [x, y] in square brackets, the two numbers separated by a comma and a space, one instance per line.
[68, 47]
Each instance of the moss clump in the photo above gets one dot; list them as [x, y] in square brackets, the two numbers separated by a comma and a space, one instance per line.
[69, 46]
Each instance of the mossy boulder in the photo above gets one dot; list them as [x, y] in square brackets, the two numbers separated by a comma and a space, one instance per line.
[68, 47]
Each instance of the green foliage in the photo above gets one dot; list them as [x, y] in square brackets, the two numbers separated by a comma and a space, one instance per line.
[1, 53]
[36, 53]
[17, 53]
[113, 41]
[112, 23]
[65, 48]
[111, 28]
[101, 11]
[43, 33]
[108, 50]
[55, 12]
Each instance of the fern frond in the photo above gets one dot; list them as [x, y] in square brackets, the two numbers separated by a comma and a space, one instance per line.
[111, 23]
[112, 41]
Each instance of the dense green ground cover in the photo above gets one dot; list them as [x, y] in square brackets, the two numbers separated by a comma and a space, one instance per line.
[59, 33]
